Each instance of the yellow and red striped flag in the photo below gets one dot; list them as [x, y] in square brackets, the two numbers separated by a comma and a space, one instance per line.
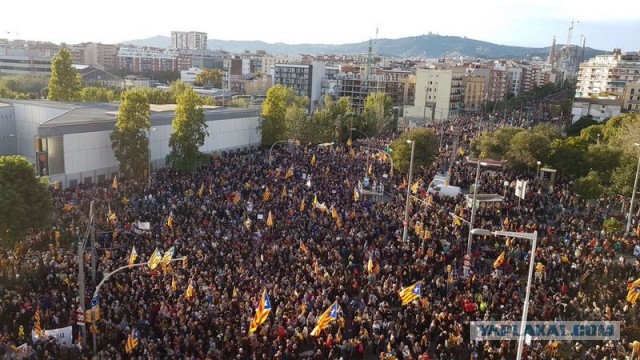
[634, 291]
[133, 257]
[262, 312]
[132, 341]
[499, 261]
[410, 293]
[303, 247]
[325, 319]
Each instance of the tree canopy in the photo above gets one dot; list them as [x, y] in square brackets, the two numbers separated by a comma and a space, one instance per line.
[209, 77]
[378, 112]
[189, 133]
[64, 84]
[129, 140]
[426, 149]
[25, 201]
[274, 109]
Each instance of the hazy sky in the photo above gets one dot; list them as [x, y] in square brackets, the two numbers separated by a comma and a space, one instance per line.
[606, 24]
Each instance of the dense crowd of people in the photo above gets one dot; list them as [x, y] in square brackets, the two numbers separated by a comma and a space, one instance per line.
[219, 223]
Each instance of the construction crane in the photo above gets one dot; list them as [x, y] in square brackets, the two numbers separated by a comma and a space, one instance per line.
[571, 33]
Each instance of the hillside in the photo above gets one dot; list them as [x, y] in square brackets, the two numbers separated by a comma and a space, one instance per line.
[416, 46]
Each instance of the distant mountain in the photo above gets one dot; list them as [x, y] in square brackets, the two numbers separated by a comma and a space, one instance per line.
[430, 46]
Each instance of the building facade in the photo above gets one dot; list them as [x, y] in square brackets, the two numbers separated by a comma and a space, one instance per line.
[304, 79]
[474, 95]
[606, 75]
[631, 100]
[189, 40]
[69, 142]
[25, 62]
[146, 60]
[439, 94]
[102, 56]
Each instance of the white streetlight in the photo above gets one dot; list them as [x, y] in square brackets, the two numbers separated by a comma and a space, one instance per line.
[633, 195]
[538, 169]
[525, 310]
[473, 205]
[406, 207]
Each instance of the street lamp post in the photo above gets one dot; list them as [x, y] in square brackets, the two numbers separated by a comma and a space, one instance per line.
[525, 310]
[274, 144]
[364, 133]
[406, 207]
[538, 169]
[473, 205]
[633, 194]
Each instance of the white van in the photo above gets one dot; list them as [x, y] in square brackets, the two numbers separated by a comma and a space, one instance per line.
[448, 191]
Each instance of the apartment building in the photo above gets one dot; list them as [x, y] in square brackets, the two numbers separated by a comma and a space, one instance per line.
[147, 59]
[25, 61]
[188, 40]
[439, 94]
[498, 83]
[631, 100]
[102, 56]
[474, 94]
[305, 79]
[606, 75]
[354, 86]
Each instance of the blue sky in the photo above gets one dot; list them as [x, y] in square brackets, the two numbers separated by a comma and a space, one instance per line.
[511, 22]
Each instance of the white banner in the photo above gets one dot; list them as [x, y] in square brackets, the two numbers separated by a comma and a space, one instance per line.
[24, 351]
[63, 336]
[521, 189]
[144, 225]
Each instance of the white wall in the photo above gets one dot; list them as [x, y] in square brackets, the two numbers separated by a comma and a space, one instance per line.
[28, 117]
[88, 151]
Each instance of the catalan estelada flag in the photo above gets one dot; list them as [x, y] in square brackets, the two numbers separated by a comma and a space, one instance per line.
[634, 291]
[302, 204]
[133, 256]
[190, 291]
[114, 184]
[456, 219]
[267, 195]
[166, 259]
[132, 341]
[236, 198]
[313, 160]
[69, 206]
[262, 312]
[289, 173]
[410, 293]
[174, 284]
[325, 319]
[154, 260]
[303, 247]
[403, 185]
[37, 327]
[356, 195]
[170, 221]
[370, 265]
[499, 261]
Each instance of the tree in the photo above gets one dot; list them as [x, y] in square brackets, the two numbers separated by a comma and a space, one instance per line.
[296, 122]
[494, 145]
[189, 133]
[623, 177]
[549, 131]
[588, 187]
[25, 201]
[97, 94]
[209, 77]
[129, 140]
[526, 149]
[426, 149]
[29, 86]
[64, 84]
[591, 133]
[377, 111]
[582, 123]
[569, 156]
[273, 125]
[603, 159]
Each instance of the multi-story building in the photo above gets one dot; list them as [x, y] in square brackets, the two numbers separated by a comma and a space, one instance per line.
[330, 81]
[25, 62]
[355, 87]
[400, 85]
[606, 75]
[207, 59]
[268, 62]
[146, 60]
[102, 56]
[632, 97]
[191, 40]
[77, 53]
[514, 74]
[439, 94]
[498, 83]
[305, 79]
[474, 94]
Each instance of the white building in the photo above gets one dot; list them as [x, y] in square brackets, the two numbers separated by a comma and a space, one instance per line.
[600, 109]
[606, 75]
[439, 94]
[70, 142]
[192, 40]
[189, 76]
[305, 79]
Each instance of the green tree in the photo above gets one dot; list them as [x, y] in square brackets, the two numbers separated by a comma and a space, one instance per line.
[426, 149]
[588, 187]
[175, 89]
[189, 133]
[209, 77]
[64, 84]
[569, 156]
[623, 177]
[31, 85]
[496, 144]
[603, 159]
[130, 140]
[25, 201]
[590, 134]
[97, 95]
[582, 123]
[549, 131]
[526, 149]
[273, 126]
[377, 111]
[296, 121]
